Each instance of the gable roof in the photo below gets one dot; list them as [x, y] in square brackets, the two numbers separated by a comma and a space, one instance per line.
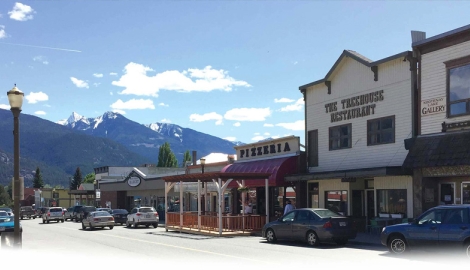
[359, 58]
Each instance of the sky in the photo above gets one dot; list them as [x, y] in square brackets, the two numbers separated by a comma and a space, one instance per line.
[231, 69]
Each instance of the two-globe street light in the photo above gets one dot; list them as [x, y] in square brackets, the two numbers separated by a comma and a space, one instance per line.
[15, 98]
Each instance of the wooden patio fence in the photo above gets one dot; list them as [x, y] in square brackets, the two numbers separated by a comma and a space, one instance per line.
[211, 222]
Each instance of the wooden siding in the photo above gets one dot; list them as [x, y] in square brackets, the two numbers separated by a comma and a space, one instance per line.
[397, 182]
[349, 80]
[433, 84]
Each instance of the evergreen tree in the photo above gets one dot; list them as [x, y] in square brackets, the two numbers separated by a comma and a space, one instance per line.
[89, 178]
[4, 197]
[77, 179]
[166, 158]
[37, 181]
[186, 157]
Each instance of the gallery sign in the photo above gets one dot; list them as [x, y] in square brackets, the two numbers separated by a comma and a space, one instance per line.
[133, 181]
[433, 106]
[271, 148]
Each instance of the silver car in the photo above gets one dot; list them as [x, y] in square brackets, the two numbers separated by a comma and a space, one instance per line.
[53, 213]
[98, 219]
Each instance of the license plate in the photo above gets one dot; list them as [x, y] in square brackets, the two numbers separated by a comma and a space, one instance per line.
[2, 229]
[147, 216]
[342, 224]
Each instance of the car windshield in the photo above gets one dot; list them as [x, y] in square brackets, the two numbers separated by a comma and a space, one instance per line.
[55, 210]
[146, 210]
[120, 211]
[101, 214]
[326, 213]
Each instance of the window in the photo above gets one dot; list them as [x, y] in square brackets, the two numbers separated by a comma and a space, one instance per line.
[313, 148]
[340, 137]
[432, 217]
[337, 201]
[458, 88]
[392, 201]
[381, 130]
[465, 193]
[304, 216]
[456, 216]
[289, 217]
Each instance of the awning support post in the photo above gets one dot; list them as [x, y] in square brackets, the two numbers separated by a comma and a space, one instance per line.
[199, 205]
[166, 205]
[267, 199]
[181, 206]
[243, 206]
[220, 206]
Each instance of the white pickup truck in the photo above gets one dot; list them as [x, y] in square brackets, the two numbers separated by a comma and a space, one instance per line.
[53, 213]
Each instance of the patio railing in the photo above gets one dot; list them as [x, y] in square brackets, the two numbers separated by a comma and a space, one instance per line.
[211, 223]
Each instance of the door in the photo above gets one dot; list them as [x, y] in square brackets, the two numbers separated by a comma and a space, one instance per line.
[302, 222]
[447, 193]
[283, 228]
[357, 203]
[370, 205]
[455, 228]
[425, 231]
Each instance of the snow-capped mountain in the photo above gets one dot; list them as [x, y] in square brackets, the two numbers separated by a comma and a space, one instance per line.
[145, 139]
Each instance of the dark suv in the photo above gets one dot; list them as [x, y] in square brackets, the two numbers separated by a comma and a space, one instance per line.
[75, 210]
[440, 227]
[83, 212]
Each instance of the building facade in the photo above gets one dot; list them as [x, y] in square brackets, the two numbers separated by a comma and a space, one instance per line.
[440, 154]
[356, 119]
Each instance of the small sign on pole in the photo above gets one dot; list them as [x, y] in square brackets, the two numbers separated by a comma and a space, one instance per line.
[98, 194]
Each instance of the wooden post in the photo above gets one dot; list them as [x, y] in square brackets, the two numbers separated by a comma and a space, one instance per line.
[199, 205]
[181, 206]
[267, 199]
[166, 205]
[243, 206]
[220, 206]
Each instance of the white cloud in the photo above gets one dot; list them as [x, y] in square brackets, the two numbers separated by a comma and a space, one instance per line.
[237, 124]
[96, 84]
[268, 125]
[230, 139]
[297, 125]
[111, 93]
[133, 104]
[136, 81]
[248, 114]
[21, 12]
[276, 136]
[40, 113]
[79, 83]
[165, 121]
[113, 74]
[41, 59]
[47, 105]
[3, 34]
[35, 97]
[163, 104]
[257, 133]
[206, 117]
[297, 106]
[295, 62]
[120, 111]
[5, 106]
[283, 100]
[267, 134]
[257, 138]
[98, 75]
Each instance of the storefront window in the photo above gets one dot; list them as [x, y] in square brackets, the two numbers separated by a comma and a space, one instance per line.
[278, 201]
[337, 201]
[465, 193]
[392, 201]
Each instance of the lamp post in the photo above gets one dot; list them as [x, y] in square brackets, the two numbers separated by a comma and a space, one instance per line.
[203, 162]
[97, 192]
[15, 98]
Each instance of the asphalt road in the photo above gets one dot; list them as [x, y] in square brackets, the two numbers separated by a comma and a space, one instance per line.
[66, 244]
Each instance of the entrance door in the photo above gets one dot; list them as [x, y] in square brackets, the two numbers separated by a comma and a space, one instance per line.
[358, 203]
[370, 204]
[447, 193]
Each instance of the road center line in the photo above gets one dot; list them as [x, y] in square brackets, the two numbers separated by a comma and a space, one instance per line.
[173, 246]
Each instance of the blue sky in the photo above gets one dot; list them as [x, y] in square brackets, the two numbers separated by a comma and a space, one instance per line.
[227, 68]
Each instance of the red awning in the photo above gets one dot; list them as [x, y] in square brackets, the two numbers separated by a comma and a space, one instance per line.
[278, 167]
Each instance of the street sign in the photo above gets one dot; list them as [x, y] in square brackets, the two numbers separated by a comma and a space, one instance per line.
[98, 194]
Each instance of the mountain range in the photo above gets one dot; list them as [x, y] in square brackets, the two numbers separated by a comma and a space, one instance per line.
[108, 140]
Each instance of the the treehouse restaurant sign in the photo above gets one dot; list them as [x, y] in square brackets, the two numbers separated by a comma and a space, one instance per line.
[272, 148]
[355, 107]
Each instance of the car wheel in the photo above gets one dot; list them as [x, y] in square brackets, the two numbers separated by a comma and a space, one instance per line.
[34, 217]
[155, 225]
[21, 218]
[341, 242]
[91, 226]
[397, 245]
[312, 239]
[135, 225]
[127, 224]
[467, 248]
[83, 226]
[43, 221]
[270, 236]
[111, 227]
[147, 225]
[63, 220]
[48, 221]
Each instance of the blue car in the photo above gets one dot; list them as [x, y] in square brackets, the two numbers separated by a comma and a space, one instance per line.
[442, 227]
[7, 223]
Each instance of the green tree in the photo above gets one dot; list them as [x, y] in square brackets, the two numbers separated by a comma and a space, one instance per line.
[166, 158]
[89, 178]
[186, 157]
[4, 197]
[37, 181]
[77, 179]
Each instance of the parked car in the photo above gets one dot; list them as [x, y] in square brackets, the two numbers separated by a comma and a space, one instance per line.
[7, 222]
[53, 213]
[8, 210]
[105, 209]
[75, 211]
[40, 211]
[143, 216]
[28, 212]
[98, 219]
[120, 216]
[442, 227]
[312, 226]
[68, 214]
[83, 212]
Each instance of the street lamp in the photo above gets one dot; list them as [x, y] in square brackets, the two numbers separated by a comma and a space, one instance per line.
[15, 98]
[203, 162]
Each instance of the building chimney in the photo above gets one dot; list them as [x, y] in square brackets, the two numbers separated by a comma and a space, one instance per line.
[231, 159]
[417, 36]
[194, 157]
